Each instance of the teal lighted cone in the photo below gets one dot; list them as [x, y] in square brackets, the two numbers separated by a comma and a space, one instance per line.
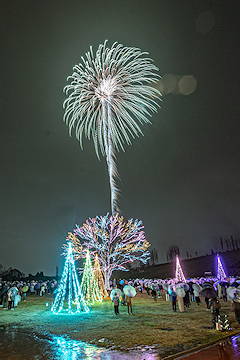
[89, 285]
[179, 276]
[69, 289]
[221, 275]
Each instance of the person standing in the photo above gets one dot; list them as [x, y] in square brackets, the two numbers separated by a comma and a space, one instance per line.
[224, 293]
[167, 295]
[207, 301]
[180, 303]
[42, 289]
[196, 296]
[180, 295]
[215, 306]
[174, 300]
[236, 306]
[116, 303]
[129, 304]
[9, 300]
[24, 295]
[154, 294]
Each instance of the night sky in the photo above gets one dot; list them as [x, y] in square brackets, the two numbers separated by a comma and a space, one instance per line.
[182, 179]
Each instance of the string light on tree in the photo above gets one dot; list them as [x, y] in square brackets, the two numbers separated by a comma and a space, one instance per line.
[89, 285]
[69, 281]
[99, 277]
[179, 276]
[117, 242]
[221, 275]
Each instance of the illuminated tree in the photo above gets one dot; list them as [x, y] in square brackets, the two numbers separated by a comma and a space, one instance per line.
[116, 241]
[89, 285]
[99, 277]
[69, 287]
[108, 98]
[221, 275]
[179, 276]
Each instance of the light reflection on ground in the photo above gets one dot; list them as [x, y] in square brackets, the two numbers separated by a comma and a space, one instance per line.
[74, 350]
[17, 343]
[20, 344]
[228, 349]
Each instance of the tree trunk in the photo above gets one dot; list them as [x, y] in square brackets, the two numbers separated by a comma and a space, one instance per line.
[107, 276]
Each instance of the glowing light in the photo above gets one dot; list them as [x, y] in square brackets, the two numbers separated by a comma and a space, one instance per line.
[89, 285]
[68, 349]
[221, 275]
[74, 294]
[99, 277]
[176, 84]
[167, 84]
[108, 98]
[187, 85]
[179, 276]
[116, 241]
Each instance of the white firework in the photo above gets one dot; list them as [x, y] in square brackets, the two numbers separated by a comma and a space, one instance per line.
[108, 98]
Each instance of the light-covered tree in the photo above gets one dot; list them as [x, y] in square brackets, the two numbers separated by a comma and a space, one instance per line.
[89, 285]
[117, 242]
[97, 271]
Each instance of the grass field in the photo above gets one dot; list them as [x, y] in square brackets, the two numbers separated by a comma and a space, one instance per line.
[152, 324]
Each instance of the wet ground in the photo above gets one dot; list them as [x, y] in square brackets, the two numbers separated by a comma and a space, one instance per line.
[228, 349]
[20, 344]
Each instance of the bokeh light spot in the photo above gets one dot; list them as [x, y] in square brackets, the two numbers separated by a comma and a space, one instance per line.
[187, 85]
[204, 22]
[167, 84]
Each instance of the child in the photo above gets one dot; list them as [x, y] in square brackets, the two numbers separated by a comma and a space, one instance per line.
[116, 303]
[174, 300]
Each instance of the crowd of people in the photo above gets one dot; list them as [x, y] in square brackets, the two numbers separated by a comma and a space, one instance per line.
[183, 293]
[179, 294]
[12, 292]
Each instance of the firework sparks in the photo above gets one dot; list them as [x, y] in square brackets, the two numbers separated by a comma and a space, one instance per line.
[109, 98]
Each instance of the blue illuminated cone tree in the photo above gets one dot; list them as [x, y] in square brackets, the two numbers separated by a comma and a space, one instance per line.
[89, 285]
[69, 288]
[179, 276]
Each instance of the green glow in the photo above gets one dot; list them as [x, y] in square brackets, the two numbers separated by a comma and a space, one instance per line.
[89, 286]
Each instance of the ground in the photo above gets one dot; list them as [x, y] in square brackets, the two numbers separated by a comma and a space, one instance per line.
[153, 324]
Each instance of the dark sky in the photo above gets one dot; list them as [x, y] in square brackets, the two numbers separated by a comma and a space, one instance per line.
[182, 179]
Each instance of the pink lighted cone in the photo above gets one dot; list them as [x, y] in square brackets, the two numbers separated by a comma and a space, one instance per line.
[179, 276]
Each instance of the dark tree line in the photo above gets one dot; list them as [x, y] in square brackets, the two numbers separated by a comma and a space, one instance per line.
[172, 252]
[230, 244]
[154, 256]
[188, 255]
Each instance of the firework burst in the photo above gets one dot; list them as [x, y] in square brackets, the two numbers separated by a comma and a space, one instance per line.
[109, 98]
